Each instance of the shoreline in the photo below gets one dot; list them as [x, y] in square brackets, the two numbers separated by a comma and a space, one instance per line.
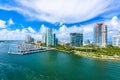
[92, 55]
[100, 57]
[62, 50]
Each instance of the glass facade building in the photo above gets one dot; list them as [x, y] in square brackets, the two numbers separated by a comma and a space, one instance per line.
[29, 39]
[44, 38]
[100, 34]
[116, 40]
[76, 39]
[51, 39]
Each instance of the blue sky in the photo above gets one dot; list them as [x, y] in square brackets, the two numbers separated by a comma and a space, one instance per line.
[21, 17]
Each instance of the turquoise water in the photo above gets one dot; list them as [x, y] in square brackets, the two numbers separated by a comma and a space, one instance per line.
[55, 65]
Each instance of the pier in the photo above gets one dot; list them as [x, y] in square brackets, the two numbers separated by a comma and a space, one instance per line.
[24, 48]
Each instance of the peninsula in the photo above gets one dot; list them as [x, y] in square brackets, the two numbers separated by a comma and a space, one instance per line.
[107, 53]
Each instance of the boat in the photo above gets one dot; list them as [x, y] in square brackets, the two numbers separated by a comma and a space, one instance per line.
[27, 49]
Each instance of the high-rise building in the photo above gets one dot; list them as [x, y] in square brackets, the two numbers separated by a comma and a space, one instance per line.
[56, 41]
[116, 40]
[100, 34]
[44, 38]
[29, 39]
[76, 39]
[87, 42]
[51, 39]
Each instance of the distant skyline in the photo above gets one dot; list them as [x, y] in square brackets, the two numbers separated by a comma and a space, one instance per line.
[21, 17]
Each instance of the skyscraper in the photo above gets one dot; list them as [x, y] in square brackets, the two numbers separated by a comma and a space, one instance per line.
[116, 40]
[44, 38]
[100, 34]
[56, 41]
[87, 42]
[76, 39]
[49, 37]
[29, 39]
[53, 39]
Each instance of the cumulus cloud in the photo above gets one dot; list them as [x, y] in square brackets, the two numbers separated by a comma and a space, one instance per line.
[113, 26]
[2, 24]
[63, 33]
[43, 29]
[10, 22]
[11, 34]
[24, 31]
[5, 24]
[66, 11]
[17, 34]
[88, 32]
[37, 36]
[115, 23]
[31, 29]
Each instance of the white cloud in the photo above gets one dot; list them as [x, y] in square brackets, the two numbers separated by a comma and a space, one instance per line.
[10, 22]
[115, 23]
[2, 24]
[11, 34]
[37, 36]
[88, 32]
[31, 29]
[5, 24]
[24, 31]
[17, 34]
[43, 29]
[64, 32]
[66, 11]
[88, 28]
